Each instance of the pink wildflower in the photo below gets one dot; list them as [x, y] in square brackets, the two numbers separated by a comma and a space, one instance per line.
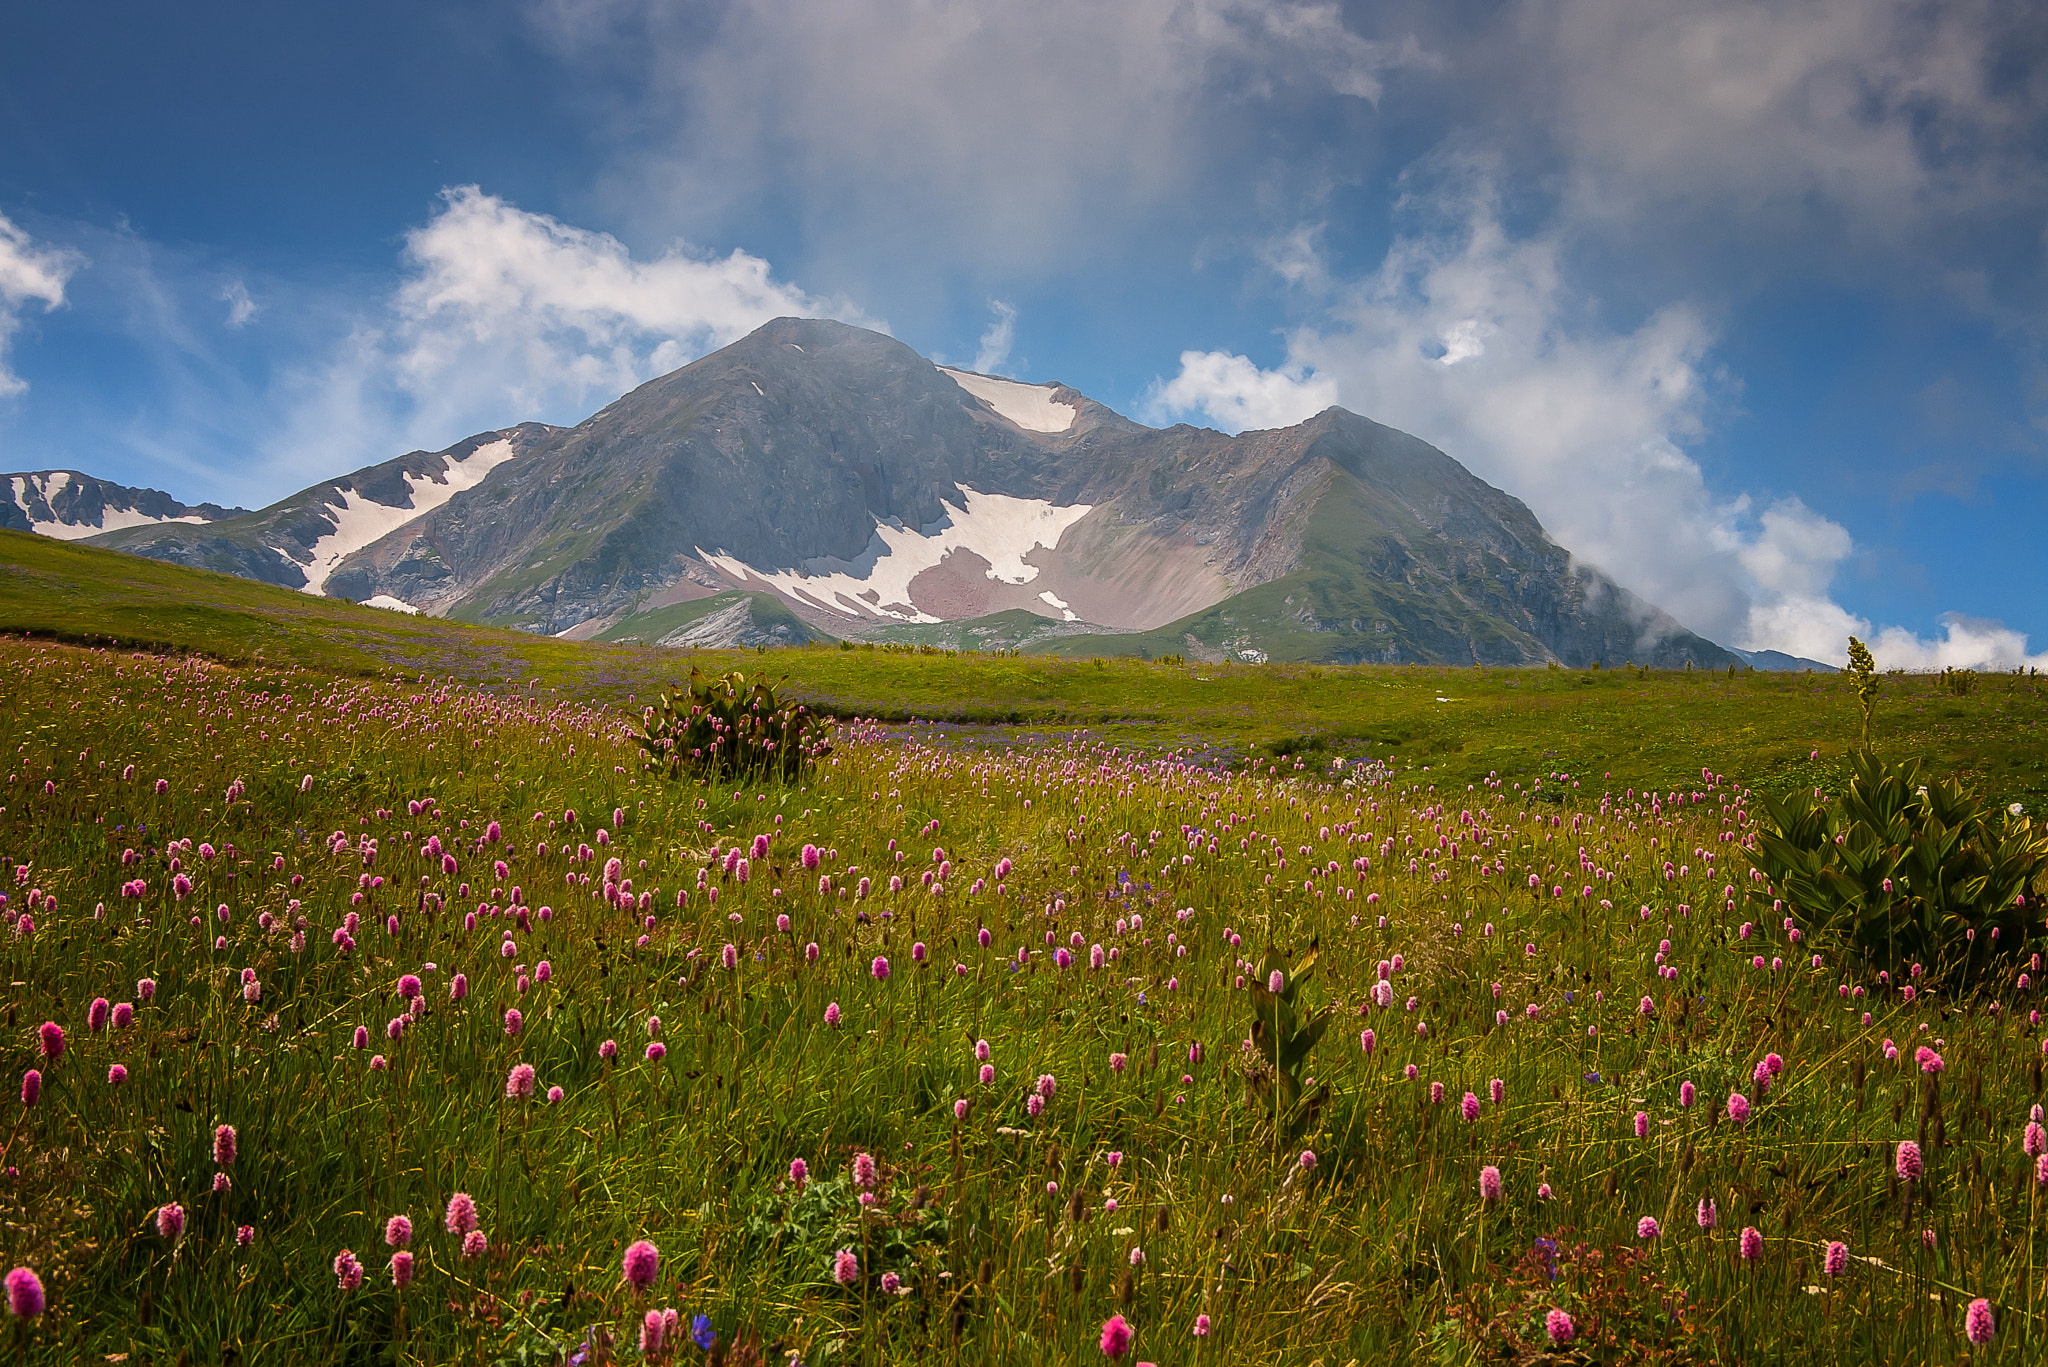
[1116, 1337]
[25, 1294]
[461, 1215]
[642, 1264]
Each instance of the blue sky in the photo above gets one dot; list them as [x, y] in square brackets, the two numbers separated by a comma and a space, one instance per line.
[1747, 301]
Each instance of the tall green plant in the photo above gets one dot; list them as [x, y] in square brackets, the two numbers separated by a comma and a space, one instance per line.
[721, 726]
[1284, 1030]
[1864, 678]
[1905, 869]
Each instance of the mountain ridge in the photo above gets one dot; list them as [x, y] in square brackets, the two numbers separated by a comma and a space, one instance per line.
[872, 491]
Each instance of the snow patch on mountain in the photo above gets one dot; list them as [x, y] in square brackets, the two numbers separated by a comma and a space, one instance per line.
[1053, 600]
[47, 487]
[996, 527]
[359, 521]
[1030, 406]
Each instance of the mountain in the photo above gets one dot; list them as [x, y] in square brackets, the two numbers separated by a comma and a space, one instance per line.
[869, 493]
[299, 542]
[70, 506]
[1779, 661]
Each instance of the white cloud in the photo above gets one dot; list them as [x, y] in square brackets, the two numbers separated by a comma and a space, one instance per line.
[241, 308]
[1791, 560]
[1964, 643]
[1236, 395]
[29, 273]
[500, 316]
[517, 314]
[1583, 422]
[995, 343]
[1473, 338]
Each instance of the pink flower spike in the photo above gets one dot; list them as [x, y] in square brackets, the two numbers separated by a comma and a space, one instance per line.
[1978, 1325]
[642, 1264]
[461, 1215]
[25, 1294]
[1116, 1337]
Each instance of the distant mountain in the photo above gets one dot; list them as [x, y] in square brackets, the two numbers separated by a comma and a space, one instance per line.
[71, 506]
[874, 494]
[1779, 661]
[301, 541]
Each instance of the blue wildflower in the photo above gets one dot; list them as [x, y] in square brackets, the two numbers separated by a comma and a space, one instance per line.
[701, 1332]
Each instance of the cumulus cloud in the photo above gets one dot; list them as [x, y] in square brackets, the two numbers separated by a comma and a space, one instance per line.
[1236, 395]
[994, 351]
[1475, 338]
[499, 315]
[518, 314]
[1964, 643]
[30, 273]
[1583, 422]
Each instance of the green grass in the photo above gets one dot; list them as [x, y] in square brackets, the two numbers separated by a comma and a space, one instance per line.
[297, 731]
[1384, 1251]
[1646, 729]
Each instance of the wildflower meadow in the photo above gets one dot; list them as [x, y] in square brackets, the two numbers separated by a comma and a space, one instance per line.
[403, 1020]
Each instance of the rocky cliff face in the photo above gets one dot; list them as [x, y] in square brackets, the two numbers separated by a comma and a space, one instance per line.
[874, 494]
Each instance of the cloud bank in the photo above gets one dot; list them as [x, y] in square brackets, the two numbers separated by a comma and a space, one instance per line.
[983, 134]
[1477, 339]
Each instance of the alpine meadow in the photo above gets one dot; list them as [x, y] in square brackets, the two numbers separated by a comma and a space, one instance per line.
[366, 1014]
[1024, 683]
